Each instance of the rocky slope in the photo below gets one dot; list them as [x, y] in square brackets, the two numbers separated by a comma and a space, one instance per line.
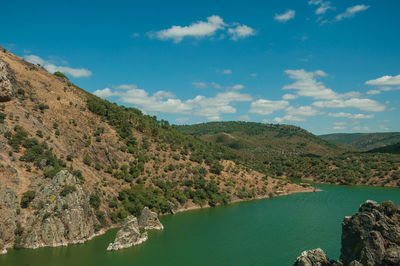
[370, 237]
[72, 165]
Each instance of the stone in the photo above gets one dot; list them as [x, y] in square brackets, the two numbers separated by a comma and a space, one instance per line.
[8, 217]
[315, 257]
[129, 235]
[369, 237]
[148, 220]
[6, 88]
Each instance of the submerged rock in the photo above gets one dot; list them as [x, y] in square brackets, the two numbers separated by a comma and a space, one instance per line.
[129, 235]
[369, 237]
[148, 220]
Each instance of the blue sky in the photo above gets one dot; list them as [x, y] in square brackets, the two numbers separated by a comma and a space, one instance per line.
[327, 66]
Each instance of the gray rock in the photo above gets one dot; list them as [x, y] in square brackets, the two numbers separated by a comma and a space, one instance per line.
[148, 220]
[8, 217]
[59, 220]
[315, 257]
[369, 237]
[129, 235]
[6, 88]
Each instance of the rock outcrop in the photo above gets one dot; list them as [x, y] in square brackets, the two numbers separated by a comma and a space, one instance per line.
[8, 217]
[370, 237]
[129, 235]
[62, 214]
[6, 88]
[148, 220]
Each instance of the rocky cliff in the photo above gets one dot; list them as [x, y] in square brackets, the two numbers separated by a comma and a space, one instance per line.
[370, 237]
[129, 235]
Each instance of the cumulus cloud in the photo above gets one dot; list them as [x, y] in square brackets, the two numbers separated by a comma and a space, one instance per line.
[351, 11]
[237, 87]
[373, 92]
[216, 85]
[322, 6]
[182, 120]
[161, 101]
[289, 96]
[359, 103]
[384, 83]
[73, 72]
[266, 107]
[203, 29]
[284, 17]
[351, 116]
[307, 85]
[243, 118]
[240, 32]
[297, 114]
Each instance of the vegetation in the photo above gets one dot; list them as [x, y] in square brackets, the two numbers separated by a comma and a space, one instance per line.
[27, 197]
[394, 148]
[60, 75]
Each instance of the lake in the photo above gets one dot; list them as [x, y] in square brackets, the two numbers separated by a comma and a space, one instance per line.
[260, 232]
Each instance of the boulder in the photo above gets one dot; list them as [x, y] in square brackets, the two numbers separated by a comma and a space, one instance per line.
[369, 237]
[148, 220]
[129, 235]
[6, 88]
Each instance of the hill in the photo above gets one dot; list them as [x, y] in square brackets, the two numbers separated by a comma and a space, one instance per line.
[364, 141]
[263, 139]
[286, 151]
[394, 149]
[72, 165]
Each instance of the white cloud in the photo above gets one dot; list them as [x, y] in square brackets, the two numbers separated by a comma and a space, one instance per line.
[216, 85]
[373, 92]
[339, 128]
[284, 17]
[243, 118]
[240, 32]
[197, 29]
[351, 11]
[339, 123]
[385, 83]
[266, 107]
[289, 96]
[237, 87]
[322, 6]
[162, 101]
[73, 72]
[200, 85]
[362, 104]
[297, 114]
[351, 116]
[307, 85]
[383, 127]
[182, 120]
[227, 71]
[203, 29]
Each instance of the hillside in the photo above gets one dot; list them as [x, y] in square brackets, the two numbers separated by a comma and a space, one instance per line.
[290, 152]
[364, 141]
[394, 149]
[263, 139]
[72, 165]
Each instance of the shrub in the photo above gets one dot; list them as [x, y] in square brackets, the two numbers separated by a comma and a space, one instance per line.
[94, 201]
[60, 75]
[27, 197]
[2, 117]
[67, 190]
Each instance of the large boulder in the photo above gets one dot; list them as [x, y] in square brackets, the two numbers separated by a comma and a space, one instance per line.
[369, 237]
[129, 235]
[148, 220]
[8, 217]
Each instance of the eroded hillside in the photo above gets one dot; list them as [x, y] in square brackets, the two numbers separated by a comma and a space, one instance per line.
[72, 164]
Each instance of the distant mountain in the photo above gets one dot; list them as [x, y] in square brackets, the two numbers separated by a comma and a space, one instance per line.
[394, 148]
[364, 141]
[263, 139]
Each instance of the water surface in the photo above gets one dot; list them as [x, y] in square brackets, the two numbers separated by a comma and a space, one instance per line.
[261, 232]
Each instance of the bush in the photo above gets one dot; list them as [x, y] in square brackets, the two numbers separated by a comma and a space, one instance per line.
[2, 117]
[60, 75]
[95, 201]
[67, 190]
[27, 197]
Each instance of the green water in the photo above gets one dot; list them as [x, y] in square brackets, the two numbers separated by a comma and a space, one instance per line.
[262, 232]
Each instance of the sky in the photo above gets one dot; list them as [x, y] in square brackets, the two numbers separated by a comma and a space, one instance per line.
[326, 66]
